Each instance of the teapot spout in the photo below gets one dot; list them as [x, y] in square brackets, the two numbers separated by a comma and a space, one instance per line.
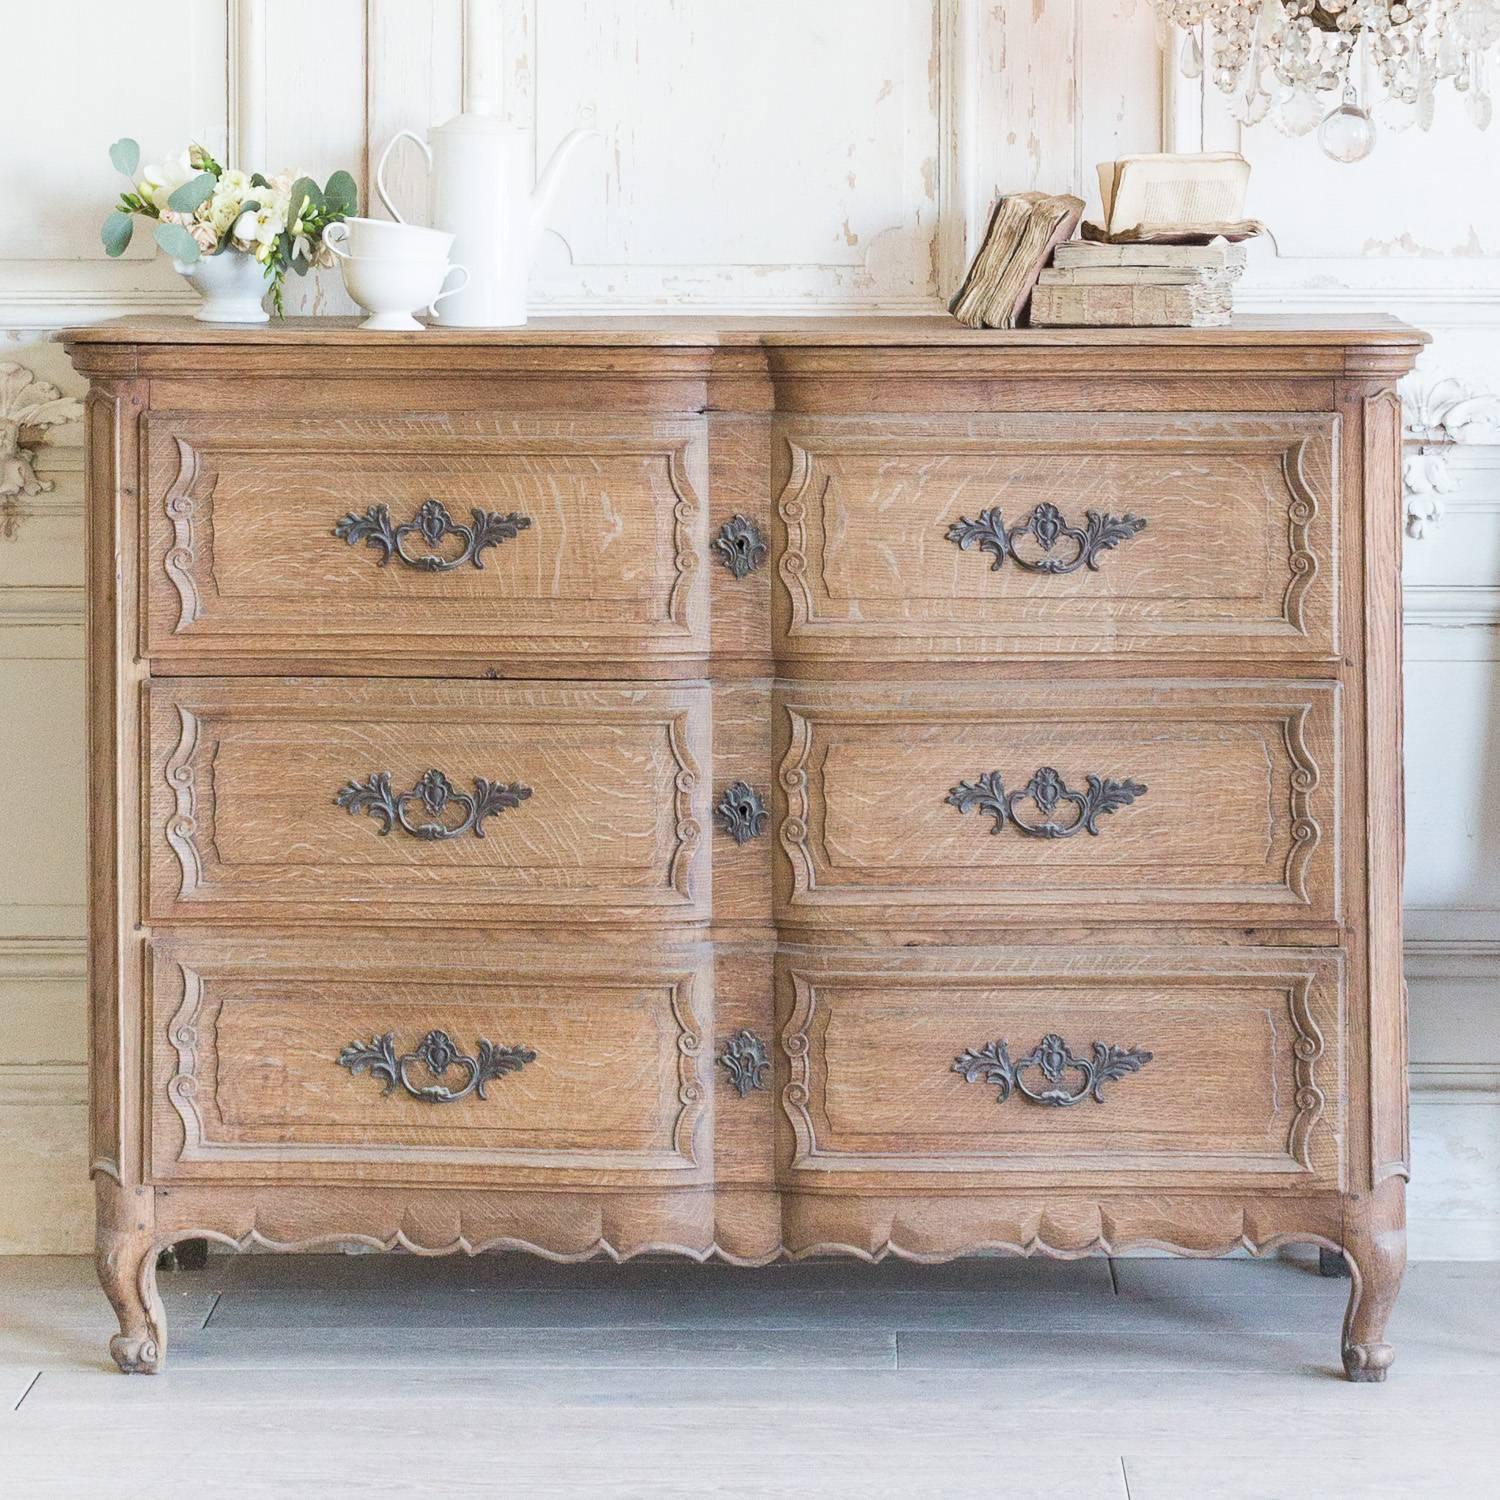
[547, 184]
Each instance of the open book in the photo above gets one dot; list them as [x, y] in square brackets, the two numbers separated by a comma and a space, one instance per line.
[1165, 197]
[1024, 230]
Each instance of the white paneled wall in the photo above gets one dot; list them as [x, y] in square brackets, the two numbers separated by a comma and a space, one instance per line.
[790, 155]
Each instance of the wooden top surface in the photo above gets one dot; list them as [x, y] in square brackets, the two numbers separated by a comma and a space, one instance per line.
[1367, 329]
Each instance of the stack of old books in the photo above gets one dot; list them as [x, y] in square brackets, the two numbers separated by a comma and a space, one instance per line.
[1167, 253]
[1138, 286]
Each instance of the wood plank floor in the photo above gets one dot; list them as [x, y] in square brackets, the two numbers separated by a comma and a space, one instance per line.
[312, 1376]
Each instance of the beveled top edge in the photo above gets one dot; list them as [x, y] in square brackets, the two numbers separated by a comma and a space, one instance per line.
[935, 331]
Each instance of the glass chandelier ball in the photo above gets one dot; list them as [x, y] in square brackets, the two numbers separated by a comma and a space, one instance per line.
[1347, 134]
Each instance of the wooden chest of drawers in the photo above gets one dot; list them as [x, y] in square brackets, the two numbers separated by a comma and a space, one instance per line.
[855, 787]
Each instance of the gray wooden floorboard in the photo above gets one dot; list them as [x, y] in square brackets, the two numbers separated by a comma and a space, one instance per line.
[318, 1348]
[371, 1375]
[501, 1311]
[1334, 1470]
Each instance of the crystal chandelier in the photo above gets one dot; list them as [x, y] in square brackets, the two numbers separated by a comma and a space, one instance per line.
[1339, 65]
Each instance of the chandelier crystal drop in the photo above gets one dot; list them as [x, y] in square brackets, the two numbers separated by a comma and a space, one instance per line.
[1304, 63]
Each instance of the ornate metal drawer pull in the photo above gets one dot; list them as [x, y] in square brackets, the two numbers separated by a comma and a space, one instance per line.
[487, 528]
[436, 793]
[740, 546]
[744, 1060]
[1046, 789]
[992, 1064]
[437, 1051]
[741, 813]
[1046, 526]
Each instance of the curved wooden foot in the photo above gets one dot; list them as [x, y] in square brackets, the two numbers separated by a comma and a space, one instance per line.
[1375, 1248]
[125, 1255]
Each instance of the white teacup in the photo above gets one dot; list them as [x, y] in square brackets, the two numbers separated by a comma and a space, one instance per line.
[391, 288]
[369, 238]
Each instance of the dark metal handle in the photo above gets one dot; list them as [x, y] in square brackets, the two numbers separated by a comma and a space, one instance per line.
[1046, 526]
[438, 1053]
[741, 813]
[486, 528]
[744, 1060]
[1054, 1060]
[436, 793]
[1046, 789]
[740, 546]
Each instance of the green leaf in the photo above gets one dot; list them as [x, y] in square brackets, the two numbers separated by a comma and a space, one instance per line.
[341, 195]
[177, 242]
[305, 192]
[193, 193]
[256, 180]
[125, 156]
[200, 158]
[116, 233]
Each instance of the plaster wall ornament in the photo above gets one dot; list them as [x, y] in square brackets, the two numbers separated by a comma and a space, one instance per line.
[1439, 416]
[26, 406]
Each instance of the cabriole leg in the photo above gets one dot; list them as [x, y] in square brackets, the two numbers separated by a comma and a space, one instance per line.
[1375, 1247]
[125, 1254]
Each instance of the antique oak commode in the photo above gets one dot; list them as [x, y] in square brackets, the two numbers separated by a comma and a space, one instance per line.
[849, 786]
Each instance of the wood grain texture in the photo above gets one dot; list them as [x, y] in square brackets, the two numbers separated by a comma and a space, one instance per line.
[243, 555]
[1237, 821]
[1237, 915]
[245, 825]
[247, 1034]
[1235, 554]
[1243, 1083]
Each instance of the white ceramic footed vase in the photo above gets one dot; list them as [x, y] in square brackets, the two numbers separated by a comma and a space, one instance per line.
[232, 284]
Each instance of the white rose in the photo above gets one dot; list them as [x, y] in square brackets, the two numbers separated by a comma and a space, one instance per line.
[160, 181]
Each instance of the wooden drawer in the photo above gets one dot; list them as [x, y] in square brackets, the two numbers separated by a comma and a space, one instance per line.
[962, 1067]
[319, 538]
[1162, 801]
[952, 538]
[482, 802]
[354, 1056]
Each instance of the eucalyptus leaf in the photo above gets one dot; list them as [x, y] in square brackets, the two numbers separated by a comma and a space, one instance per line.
[257, 180]
[341, 194]
[193, 193]
[125, 156]
[116, 233]
[304, 189]
[177, 242]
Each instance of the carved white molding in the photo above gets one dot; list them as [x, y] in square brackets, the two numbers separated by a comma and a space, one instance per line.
[247, 84]
[26, 406]
[1441, 413]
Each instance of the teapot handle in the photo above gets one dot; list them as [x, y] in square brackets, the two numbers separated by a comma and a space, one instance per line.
[385, 156]
[432, 306]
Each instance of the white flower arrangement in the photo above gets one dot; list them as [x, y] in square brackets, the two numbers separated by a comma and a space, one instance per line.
[201, 208]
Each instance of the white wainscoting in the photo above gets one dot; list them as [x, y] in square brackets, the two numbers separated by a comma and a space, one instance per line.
[793, 155]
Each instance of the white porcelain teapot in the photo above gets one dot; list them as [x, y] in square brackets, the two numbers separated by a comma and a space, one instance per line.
[479, 188]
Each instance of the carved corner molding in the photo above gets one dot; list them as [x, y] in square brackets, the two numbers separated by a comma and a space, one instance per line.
[1440, 415]
[27, 407]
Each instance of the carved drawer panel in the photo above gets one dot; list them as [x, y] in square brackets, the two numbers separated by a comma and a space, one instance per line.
[1046, 534]
[455, 537]
[399, 801]
[1117, 1065]
[1084, 802]
[354, 1056]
